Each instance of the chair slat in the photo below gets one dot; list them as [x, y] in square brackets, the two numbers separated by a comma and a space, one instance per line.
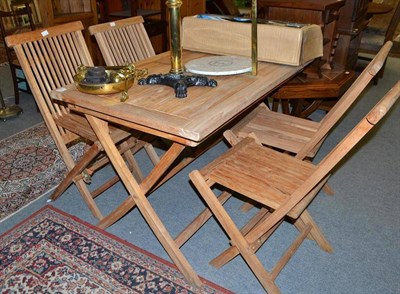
[123, 41]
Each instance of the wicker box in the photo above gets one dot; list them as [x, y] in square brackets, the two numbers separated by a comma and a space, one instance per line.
[277, 43]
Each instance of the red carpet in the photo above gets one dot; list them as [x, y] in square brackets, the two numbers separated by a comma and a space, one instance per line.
[53, 252]
[30, 166]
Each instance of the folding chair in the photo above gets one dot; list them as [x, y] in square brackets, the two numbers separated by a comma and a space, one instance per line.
[123, 41]
[49, 59]
[282, 184]
[299, 137]
[303, 137]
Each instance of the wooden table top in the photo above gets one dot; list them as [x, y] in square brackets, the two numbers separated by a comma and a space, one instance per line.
[154, 109]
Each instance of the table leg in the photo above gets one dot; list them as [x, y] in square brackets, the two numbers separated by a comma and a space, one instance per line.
[101, 129]
[159, 169]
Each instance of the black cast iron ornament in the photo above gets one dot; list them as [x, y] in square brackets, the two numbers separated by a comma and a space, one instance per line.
[176, 78]
[179, 82]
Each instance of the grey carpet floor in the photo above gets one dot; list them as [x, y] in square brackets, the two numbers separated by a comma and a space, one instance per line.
[361, 220]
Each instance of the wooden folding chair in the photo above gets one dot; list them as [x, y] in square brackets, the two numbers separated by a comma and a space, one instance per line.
[282, 184]
[49, 59]
[123, 41]
[303, 137]
[299, 137]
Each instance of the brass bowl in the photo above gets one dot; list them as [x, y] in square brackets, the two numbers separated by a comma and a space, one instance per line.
[118, 79]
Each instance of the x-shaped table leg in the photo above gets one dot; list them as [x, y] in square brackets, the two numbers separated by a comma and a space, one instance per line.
[138, 197]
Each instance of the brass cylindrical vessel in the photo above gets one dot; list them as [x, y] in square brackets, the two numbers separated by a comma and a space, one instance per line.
[254, 49]
[175, 35]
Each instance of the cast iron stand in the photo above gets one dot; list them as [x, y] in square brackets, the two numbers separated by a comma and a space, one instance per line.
[176, 78]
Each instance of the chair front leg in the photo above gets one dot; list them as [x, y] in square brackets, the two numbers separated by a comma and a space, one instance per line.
[231, 229]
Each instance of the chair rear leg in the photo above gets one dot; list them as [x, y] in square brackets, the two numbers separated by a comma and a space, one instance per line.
[198, 222]
[316, 233]
[151, 152]
[132, 163]
[93, 151]
[328, 189]
[87, 197]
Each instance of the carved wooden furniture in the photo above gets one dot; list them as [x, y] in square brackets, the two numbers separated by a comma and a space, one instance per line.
[49, 59]
[323, 13]
[302, 95]
[352, 22]
[306, 93]
[20, 4]
[54, 12]
[191, 122]
[373, 38]
[123, 41]
[13, 22]
[282, 185]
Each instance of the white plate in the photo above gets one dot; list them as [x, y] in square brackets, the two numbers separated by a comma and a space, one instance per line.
[219, 65]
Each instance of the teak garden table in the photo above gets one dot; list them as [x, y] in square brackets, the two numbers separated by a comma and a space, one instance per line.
[187, 123]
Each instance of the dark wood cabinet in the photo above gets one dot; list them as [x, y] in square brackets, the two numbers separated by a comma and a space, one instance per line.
[341, 23]
[323, 13]
[352, 21]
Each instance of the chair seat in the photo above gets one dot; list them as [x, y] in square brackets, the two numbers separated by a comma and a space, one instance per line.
[278, 130]
[259, 174]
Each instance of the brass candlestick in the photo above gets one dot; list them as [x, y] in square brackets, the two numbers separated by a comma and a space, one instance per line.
[254, 49]
[175, 36]
[175, 78]
[8, 111]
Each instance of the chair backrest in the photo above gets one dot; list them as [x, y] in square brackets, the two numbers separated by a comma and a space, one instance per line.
[325, 166]
[394, 22]
[344, 103]
[123, 41]
[49, 58]
[15, 22]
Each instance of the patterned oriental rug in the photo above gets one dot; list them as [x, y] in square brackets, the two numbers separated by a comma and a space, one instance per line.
[30, 166]
[53, 252]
